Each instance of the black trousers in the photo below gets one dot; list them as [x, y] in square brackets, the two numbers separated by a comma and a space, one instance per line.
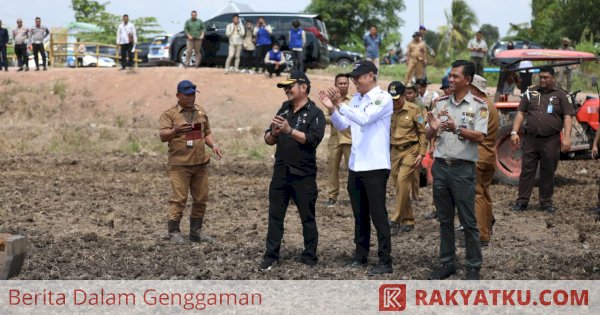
[298, 60]
[39, 48]
[21, 52]
[303, 190]
[248, 58]
[126, 55]
[261, 51]
[271, 68]
[367, 196]
[546, 152]
[3, 60]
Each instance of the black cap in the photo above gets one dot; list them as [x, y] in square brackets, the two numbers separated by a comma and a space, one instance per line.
[445, 83]
[361, 67]
[416, 34]
[396, 89]
[294, 77]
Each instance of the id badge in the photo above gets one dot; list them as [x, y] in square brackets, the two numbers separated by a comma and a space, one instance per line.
[550, 108]
[190, 143]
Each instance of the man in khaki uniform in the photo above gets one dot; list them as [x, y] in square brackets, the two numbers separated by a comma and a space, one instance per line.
[340, 143]
[416, 58]
[486, 165]
[185, 126]
[408, 147]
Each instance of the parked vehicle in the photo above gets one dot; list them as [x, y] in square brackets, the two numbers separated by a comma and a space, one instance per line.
[160, 50]
[342, 58]
[501, 46]
[216, 45]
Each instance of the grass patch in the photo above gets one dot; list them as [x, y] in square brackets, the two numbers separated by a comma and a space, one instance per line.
[59, 89]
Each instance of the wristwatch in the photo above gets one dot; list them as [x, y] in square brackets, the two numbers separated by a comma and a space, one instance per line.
[512, 133]
[457, 130]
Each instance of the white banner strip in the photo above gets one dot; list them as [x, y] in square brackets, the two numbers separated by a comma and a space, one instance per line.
[299, 297]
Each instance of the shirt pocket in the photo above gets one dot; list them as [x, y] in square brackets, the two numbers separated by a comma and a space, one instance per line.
[467, 119]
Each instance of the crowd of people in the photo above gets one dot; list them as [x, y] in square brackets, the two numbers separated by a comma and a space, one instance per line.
[26, 39]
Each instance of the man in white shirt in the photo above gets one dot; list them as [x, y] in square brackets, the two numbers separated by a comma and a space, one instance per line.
[235, 32]
[478, 48]
[369, 117]
[126, 39]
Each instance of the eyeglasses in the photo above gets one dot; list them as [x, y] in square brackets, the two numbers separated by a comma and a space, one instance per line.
[289, 87]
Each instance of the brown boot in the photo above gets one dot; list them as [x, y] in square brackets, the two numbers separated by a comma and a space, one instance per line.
[195, 232]
[175, 233]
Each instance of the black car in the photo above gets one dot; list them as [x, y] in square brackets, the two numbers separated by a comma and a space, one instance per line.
[215, 46]
[501, 46]
[342, 58]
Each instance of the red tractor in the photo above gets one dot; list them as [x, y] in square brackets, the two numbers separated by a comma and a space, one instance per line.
[508, 156]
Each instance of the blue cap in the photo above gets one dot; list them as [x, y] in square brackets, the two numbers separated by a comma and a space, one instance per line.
[445, 83]
[186, 87]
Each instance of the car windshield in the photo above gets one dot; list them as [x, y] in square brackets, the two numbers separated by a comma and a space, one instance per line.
[160, 40]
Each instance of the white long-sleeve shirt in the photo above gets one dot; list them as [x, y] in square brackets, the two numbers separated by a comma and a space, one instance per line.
[369, 119]
[123, 32]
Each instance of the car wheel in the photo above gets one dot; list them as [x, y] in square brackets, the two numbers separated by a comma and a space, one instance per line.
[344, 63]
[289, 63]
[183, 56]
[92, 65]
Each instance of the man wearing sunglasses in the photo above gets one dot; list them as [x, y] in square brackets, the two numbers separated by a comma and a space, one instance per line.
[185, 126]
[297, 130]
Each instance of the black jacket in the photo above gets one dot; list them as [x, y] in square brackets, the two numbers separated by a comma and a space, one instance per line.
[3, 36]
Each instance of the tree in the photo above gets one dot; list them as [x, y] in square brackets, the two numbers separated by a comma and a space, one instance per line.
[90, 11]
[347, 21]
[490, 33]
[458, 30]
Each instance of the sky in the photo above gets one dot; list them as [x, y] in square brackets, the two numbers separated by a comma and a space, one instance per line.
[172, 14]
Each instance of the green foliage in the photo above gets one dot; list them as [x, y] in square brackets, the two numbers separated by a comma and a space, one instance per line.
[59, 89]
[433, 39]
[457, 32]
[90, 11]
[491, 34]
[347, 21]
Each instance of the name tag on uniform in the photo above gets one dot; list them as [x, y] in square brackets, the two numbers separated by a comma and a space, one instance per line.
[550, 108]
[190, 143]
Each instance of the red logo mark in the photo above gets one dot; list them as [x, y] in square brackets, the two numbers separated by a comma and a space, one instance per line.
[392, 297]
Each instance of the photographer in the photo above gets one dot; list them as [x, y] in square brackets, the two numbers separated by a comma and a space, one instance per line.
[262, 32]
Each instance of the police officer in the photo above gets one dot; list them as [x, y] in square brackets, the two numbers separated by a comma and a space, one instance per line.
[486, 165]
[339, 144]
[369, 117]
[297, 130]
[185, 126]
[408, 147]
[459, 124]
[547, 111]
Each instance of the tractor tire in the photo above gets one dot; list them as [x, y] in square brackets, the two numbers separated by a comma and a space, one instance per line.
[509, 158]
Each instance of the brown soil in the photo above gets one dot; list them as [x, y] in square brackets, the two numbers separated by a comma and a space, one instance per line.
[102, 214]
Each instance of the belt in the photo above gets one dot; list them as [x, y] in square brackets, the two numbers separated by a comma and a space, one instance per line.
[456, 162]
[406, 145]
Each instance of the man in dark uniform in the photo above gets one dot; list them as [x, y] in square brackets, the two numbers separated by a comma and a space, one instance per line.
[297, 130]
[595, 156]
[185, 126]
[547, 111]
[459, 123]
[408, 147]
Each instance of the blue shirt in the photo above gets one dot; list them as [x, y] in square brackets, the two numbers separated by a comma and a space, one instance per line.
[372, 45]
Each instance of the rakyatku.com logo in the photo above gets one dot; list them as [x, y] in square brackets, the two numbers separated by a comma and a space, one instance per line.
[392, 297]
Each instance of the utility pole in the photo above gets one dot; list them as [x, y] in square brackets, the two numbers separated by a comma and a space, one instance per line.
[421, 13]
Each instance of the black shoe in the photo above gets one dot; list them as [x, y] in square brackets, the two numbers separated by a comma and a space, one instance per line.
[174, 233]
[442, 272]
[308, 261]
[26, 68]
[519, 207]
[432, 215]
[122, 68]
[37, 69]
[394, 227]
[267, 264]
[549, 209]
[472, 273]
[20, 69]
[406, 228]
[331, 202]
[45, 69]
[358, 263]
[380, 269]
[196, 234]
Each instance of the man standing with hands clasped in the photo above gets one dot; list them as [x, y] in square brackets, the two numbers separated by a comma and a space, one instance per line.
[185, 126]
[297, 130]
[369, 117]
[458, 123]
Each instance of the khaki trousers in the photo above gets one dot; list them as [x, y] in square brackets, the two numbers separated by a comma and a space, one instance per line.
[334, 158]
[415, 67]
[483, 201]
[195, 45]
[402, 176]
[184, 179]
[235, 51]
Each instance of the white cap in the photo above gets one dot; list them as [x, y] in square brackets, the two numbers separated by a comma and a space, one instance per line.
[480, 83]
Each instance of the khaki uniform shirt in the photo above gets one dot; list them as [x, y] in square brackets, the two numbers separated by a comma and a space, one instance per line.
[471, 113]
[487, 148]
[545, 110]
[179, 152]
[416, 50]
[408, 125]
[338, 137]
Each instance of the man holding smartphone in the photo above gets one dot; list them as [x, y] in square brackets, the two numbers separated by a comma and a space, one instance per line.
[297, 130]
[185, 126]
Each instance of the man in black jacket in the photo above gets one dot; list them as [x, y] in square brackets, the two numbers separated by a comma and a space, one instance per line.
[3, 43]
[297, 130]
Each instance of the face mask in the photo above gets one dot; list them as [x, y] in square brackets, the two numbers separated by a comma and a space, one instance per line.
[275, 50]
